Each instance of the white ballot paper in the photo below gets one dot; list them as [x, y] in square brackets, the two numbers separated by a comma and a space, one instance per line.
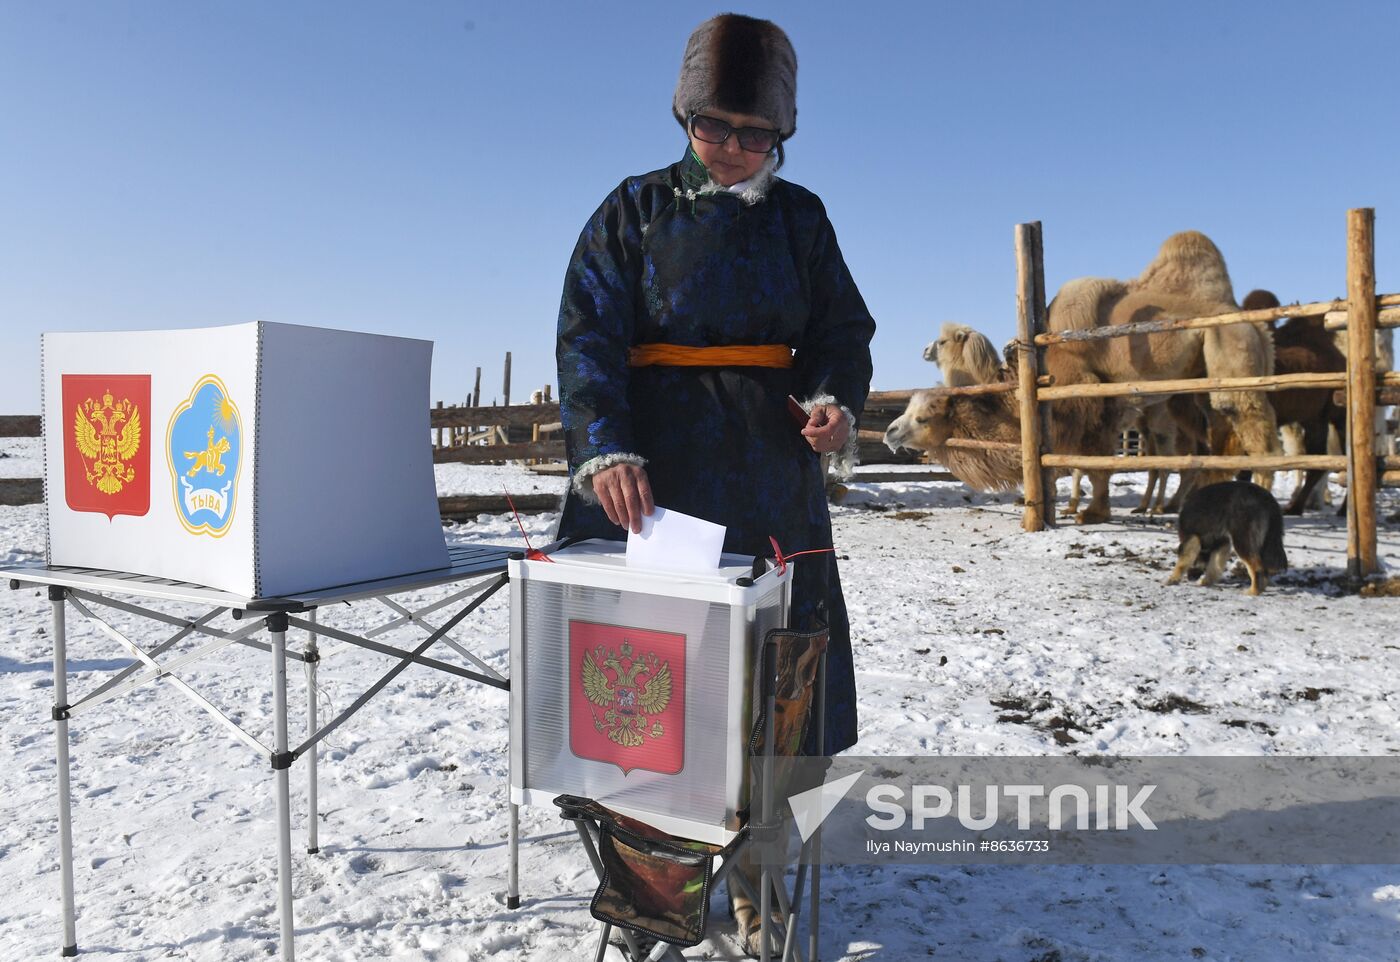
[675, 541]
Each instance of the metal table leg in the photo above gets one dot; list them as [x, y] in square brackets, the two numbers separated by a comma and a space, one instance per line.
[313, 660]
[513, 870]
[281, 763]
[65, 801]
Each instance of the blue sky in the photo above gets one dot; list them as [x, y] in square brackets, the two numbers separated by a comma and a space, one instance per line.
[424, 168]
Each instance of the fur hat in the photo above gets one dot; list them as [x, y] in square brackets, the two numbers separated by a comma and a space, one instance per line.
[739, 64]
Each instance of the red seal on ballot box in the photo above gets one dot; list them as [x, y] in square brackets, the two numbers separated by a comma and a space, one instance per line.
[627, 696]
[106, 451]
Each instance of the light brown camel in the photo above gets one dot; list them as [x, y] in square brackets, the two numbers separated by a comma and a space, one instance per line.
[964, 356]
[1077, 426]
[1188, 278]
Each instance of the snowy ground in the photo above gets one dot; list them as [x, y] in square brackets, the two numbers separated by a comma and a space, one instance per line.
[971, 638]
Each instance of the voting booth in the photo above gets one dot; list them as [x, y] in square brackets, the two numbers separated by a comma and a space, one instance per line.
[259, 459]
[632, 685]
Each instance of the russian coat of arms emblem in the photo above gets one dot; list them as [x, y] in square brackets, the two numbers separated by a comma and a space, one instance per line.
[627, 703]
[203, 449]
[106, 456]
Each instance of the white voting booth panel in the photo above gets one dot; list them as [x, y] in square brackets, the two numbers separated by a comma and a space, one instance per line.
[633, 686]
[259, 459]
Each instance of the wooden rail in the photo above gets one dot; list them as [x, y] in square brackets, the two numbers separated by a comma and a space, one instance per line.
[480, 453]
[1337, 320]
[21, 426]
[1186, 462]
[515, 416]
[1172, 325]
[1200, 385]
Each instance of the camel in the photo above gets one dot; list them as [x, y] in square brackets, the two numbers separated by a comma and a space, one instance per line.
[1302, 345]
[1077, 426]
[1188, 278]
[964, 356]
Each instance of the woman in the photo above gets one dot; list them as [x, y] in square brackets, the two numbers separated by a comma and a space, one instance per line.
[717, 252]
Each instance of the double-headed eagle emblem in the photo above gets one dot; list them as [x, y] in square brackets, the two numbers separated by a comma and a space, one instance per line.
[629, 709]
[108, 434]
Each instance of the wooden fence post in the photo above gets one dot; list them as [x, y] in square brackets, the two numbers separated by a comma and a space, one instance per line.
[1027, 370]
[505, 391]
[1039, 325]
[439, 430]
[1361, 392]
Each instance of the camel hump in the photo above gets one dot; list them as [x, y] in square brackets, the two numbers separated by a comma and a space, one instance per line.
[1084, 303]
[1259, 300]
[1189, 263]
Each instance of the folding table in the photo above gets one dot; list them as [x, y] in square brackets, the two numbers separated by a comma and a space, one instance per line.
[480, 568]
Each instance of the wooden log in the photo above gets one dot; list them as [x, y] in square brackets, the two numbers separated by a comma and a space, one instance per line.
[870, 446]
[21, 490]
[1027, 370]
[551, 469]
[1040, 323]
[880, 400]
[21, 426]
[536, 398]
[1337, 320]
[1200, 385]
[1168, 326]
[518, 416]
[1361, 392]
[465, 507]
[478, 453]
[980, 444]
[505, 390]
[476, 390]
[884, 477]
[899, 400]
[1184, 462]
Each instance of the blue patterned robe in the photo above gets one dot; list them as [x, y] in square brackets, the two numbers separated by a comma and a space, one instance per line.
[653, 265]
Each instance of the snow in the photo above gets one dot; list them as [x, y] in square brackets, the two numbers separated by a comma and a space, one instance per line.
[972, 637]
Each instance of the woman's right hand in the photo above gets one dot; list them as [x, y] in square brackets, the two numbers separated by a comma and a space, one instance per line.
[625, 494]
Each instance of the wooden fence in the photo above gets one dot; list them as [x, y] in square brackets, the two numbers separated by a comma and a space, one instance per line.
[1360, 314]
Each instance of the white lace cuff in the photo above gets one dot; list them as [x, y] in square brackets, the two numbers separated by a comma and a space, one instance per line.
[583, 478]
[843, 462]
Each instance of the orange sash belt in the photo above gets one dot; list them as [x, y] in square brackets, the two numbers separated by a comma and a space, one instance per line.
[736, 355]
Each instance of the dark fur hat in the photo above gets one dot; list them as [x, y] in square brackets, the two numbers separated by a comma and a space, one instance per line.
[739, 64]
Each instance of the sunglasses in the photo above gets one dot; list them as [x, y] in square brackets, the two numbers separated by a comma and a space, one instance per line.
[712, 130]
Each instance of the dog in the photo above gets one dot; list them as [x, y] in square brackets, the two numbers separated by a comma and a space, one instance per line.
[1231, 513]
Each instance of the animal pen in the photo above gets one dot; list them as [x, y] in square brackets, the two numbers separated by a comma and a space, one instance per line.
[1360, 313]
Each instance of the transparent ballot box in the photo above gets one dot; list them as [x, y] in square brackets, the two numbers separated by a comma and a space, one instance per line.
[632, 686]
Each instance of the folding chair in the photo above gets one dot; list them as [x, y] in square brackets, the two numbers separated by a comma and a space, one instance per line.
[657, 885]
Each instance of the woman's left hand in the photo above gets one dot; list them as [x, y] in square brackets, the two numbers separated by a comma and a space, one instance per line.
[827, 429]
